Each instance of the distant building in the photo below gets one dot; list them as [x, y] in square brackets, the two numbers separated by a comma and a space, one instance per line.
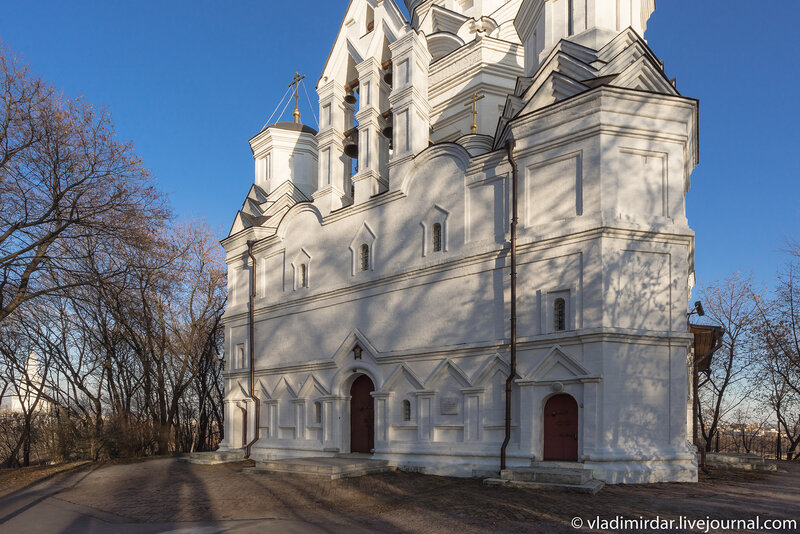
[380, 247]
[22, 394]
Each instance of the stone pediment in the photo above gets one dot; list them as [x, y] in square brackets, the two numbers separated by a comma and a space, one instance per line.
[257, 194]
[345, 351]
[561, 63]
[644, 76]
[556, 88]
[402, 372]
[447, 369]
[252, 208]
[489, 369]
[237, 393]
[261, 388]
[259, 207]
[559, 366]
[283, 389]
[243, 221]
[578, 53]
[310, 386]
[619, 44]
[290, 190]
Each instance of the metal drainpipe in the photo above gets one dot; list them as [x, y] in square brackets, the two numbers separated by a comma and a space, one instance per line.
[513, 372]
[251, 312]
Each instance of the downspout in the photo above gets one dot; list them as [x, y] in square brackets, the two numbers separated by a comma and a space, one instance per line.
[251, 313]
[513, 371]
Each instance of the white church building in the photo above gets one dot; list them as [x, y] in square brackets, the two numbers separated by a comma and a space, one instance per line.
[372, 307]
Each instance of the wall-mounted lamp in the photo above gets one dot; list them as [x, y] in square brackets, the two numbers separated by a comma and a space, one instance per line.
[698, 309]
[357, 352]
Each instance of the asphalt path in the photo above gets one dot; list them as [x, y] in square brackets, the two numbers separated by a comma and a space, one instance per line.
[39, 510]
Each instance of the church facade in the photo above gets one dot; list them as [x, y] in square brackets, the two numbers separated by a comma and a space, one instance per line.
[372, 306]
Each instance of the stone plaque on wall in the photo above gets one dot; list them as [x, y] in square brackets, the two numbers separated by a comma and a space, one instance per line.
[449, 406]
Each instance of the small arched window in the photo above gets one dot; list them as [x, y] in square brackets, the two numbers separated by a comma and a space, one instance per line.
[437, 237]
[317, 412]
[406, 410]
[364, 257]
[303, 281]
[559, 315]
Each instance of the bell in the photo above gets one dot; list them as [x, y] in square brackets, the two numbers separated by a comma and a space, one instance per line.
[387, 76]
[388, 131]
[350, 97]
[351, 147]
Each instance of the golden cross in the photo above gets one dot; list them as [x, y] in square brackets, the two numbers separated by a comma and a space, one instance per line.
[296, 82]
[474, 101]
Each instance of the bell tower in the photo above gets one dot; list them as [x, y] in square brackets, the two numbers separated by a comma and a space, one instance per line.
[541, 24]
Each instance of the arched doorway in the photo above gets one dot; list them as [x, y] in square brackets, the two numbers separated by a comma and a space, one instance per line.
[561, 429]
[362, 415]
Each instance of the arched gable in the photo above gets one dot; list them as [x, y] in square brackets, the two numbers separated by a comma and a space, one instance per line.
[452, 153]
[294, 213]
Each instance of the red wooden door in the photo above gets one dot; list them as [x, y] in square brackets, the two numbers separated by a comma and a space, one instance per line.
[561, 429]
[362, 415]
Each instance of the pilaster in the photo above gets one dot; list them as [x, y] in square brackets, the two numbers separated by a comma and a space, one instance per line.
[373, 147]
[425, 415]
[381, 417]
[409, 99]
[333, 191]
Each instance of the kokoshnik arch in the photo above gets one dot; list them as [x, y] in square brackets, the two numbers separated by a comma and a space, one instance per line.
[370, 293]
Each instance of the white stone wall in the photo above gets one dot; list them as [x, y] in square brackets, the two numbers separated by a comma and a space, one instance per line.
[602, 181]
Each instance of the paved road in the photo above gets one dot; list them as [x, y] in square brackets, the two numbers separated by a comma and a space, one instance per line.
[39, 510]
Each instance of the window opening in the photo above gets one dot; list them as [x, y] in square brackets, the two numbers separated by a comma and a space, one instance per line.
[559, 315]
[406, 410]
[437, 237]
[364, 257]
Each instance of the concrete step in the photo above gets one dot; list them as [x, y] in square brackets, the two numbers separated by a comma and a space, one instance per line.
[590, 487]
[214, 457]
[548, 475]
[557, 465]
[738, 461]
[326, 467]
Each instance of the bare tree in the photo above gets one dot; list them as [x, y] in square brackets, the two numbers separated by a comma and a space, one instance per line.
[731, 376]
[779, 339]
[63, 178]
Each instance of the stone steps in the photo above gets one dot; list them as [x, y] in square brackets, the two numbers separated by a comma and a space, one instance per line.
[214, 457]
[553, 476]
[550, 475]
[324, 467]
[749, 462]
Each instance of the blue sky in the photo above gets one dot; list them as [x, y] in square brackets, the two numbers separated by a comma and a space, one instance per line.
[190, 82]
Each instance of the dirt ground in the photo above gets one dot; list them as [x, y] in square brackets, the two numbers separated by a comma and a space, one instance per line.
[12, 480]
[167, 490]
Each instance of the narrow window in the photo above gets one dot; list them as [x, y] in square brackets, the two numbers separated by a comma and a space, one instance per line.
[437, 237]
[559, 315]
[364, 257]
[303, 281]
[317, 412]
[406, 410]
[240, 363]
